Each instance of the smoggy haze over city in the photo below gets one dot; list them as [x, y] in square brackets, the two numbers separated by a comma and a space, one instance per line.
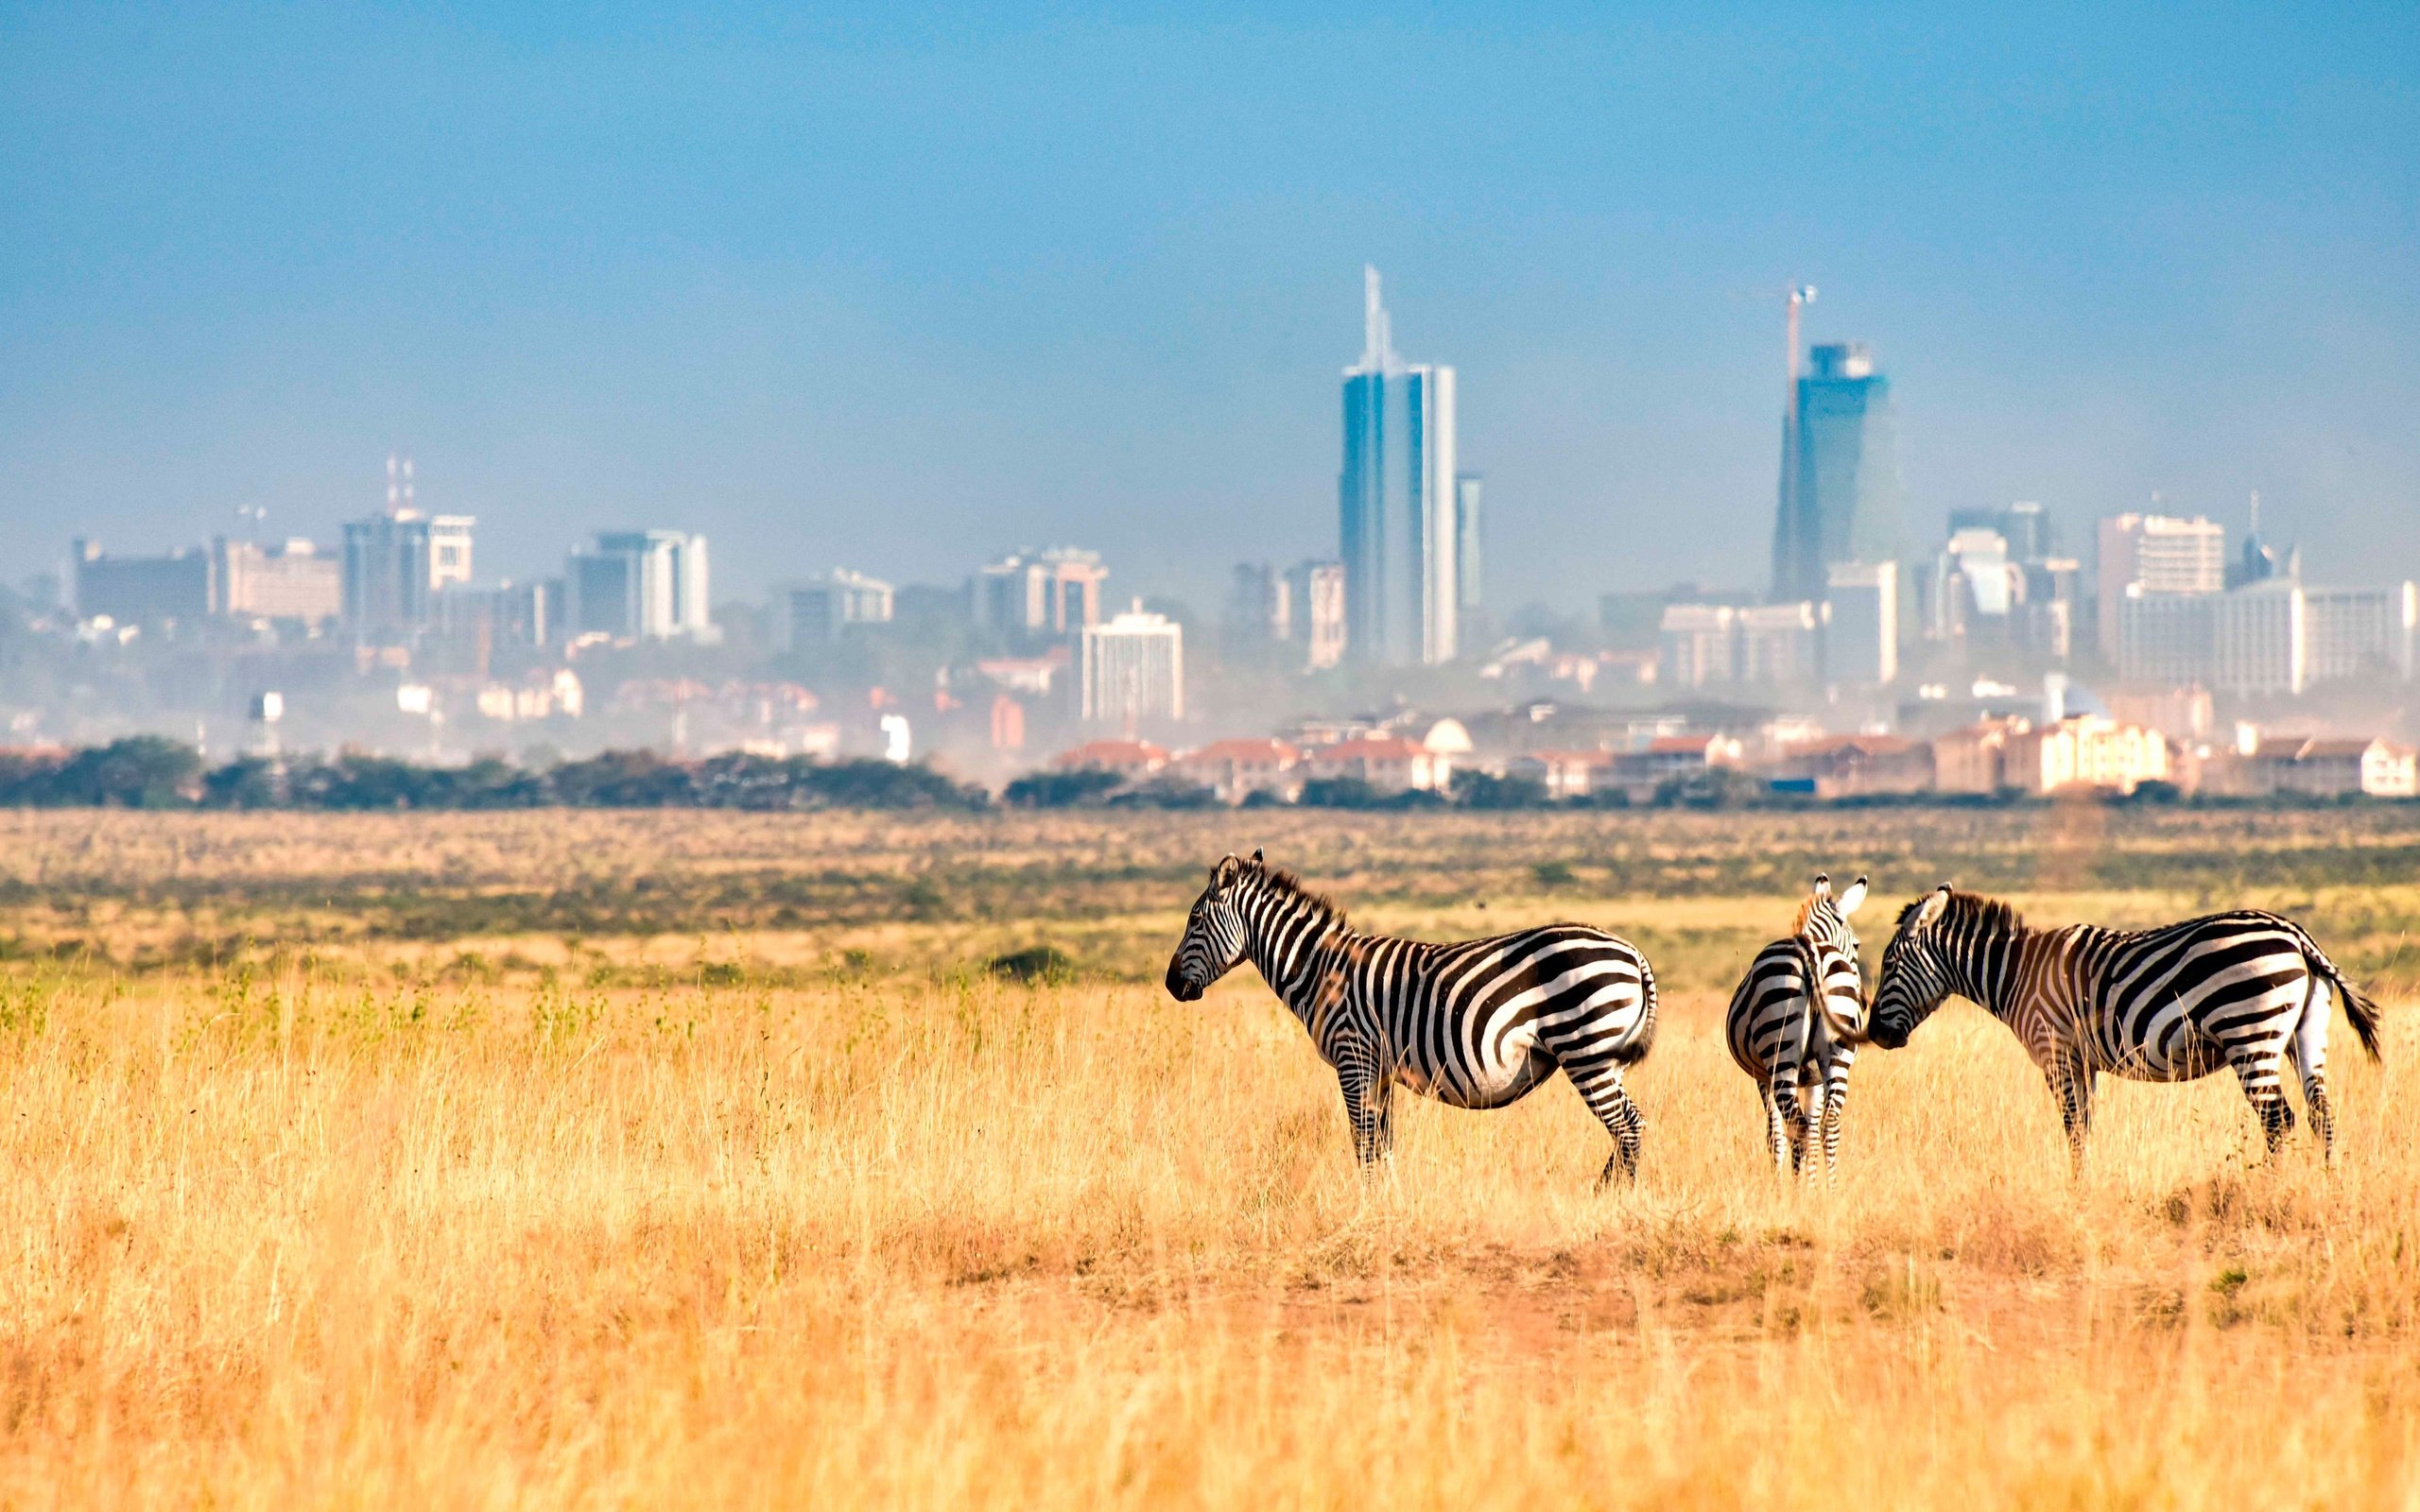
[908, 292]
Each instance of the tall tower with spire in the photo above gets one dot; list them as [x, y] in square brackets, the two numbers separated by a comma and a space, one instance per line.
[1840, 497]
[1399, 533]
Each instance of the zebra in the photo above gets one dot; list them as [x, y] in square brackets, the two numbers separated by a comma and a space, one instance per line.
[1794, 1024]
[1473, 1024]
[2247, 991]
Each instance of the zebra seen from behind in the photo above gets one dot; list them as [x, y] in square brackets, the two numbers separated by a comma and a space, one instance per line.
[1794, 1025]
[2245, 991]
[1474, 1025]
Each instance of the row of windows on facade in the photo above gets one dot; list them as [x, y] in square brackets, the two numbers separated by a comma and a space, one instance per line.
[400, 574]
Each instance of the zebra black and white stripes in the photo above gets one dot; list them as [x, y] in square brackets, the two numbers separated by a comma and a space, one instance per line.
[1794, 1024]
[2245, 991]
[1474, 1024]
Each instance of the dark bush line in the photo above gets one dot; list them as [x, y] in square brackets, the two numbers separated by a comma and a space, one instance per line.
[147, 772]
[1720, 789]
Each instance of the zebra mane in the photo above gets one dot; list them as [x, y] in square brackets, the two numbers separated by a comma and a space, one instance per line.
[1973, 912]
[1806, 912]
[1286, 885]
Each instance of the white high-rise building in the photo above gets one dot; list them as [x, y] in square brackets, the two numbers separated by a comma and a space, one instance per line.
[2355, 632]
[2268, 637]
[1699, 645]
[1861, 642]
[1781, 644]
[1397, 502]
[1134, 669]
[2155, 554]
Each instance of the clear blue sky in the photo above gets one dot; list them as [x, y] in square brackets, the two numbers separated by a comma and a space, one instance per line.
[903, 292]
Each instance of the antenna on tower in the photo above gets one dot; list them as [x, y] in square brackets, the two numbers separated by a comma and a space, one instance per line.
[1378, 340]
[1791, 542]
[393, 497]
[2256, 514]
[1800, 295]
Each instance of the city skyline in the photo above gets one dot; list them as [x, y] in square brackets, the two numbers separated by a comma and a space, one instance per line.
[762, 320]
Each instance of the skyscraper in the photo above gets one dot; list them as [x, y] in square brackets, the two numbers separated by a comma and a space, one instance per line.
[1841, 495]
[1395, 499]
[396, 562]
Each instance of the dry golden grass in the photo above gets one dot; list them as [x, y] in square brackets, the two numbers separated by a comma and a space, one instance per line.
[343, 1227]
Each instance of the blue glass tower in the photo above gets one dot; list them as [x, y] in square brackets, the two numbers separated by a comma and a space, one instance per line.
[1841, 493]
[1396, 497]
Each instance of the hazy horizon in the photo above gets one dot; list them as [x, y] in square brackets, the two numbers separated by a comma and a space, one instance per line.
[900, 295]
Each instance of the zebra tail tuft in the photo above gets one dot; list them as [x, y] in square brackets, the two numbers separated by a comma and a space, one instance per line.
[2363, 1013]
[2358, 1007]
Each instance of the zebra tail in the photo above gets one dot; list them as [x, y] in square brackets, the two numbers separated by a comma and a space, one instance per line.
[1632, 1054]
[2363, 1012]
[2357, 1008]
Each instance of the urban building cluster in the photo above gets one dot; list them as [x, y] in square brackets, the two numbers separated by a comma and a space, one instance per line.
[395, 628]
[1725, 756]
[403, 580]
[2140, 645]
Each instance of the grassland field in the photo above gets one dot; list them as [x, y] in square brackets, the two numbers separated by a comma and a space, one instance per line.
[695, 1158]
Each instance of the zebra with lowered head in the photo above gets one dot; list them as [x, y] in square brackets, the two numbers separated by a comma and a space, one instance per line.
[1474, 1024]
[2245, 991]
[1794, 1024]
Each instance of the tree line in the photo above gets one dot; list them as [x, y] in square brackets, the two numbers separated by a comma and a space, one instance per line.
[150, 772]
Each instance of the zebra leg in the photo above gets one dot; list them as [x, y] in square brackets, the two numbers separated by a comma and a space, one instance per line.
[2310, 1058]
[2071, 1083]
[1383, 1094]
[1816, 1112]
[1603, 1093]
[1789, 1124]
[1776, 1126]
[2261, 1073]
[1357, 1078]
[1836, 1100]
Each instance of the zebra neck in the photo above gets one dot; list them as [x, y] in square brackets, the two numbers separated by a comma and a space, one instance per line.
[1294, 953]
[1990, 966]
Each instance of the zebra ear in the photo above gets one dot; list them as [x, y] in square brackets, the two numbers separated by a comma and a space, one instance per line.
[1255, 856]
[1852, 897]
[1932, 908]
[1224, 872]
[1822, 884]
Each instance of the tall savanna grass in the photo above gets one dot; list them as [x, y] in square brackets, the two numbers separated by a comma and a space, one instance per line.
[745, 1219]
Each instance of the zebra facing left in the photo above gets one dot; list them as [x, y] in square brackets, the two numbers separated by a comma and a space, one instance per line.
[2245, 991]
[1479, 1024]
